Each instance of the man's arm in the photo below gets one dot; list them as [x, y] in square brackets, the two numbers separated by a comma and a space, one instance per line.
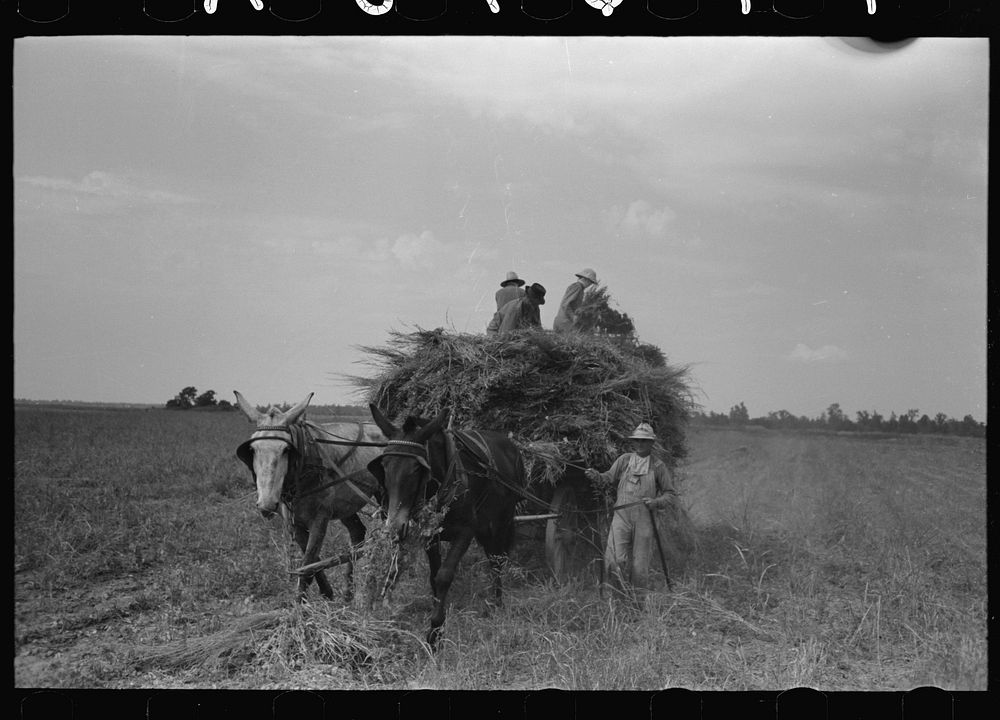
[574, 296]
[665, 490]
[610, 475]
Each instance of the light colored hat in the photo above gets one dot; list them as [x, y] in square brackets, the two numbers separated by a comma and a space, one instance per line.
[512, 278]
[643, 431]
[588, 274]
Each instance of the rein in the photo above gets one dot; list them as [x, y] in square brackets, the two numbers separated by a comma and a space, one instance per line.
[343, 477]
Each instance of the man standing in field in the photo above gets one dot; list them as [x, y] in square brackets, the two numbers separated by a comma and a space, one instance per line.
[644, 483]
[566, 318]
[520, 314]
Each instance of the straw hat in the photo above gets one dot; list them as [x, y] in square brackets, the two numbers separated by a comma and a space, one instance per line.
[512, 278]
[643, 431]
[588, 274]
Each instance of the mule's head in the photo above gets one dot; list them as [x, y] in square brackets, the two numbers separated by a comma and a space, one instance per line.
[403, 468]
[270, 453]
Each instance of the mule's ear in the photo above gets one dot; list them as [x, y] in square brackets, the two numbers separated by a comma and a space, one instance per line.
[433, 426]
[253, 415]
[387, 428]
[292, 416]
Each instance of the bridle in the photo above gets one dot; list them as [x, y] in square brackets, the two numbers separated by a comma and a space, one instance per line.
[455, 475]
[274, 432]
[404, 448]
[266, 432]
[302, 442]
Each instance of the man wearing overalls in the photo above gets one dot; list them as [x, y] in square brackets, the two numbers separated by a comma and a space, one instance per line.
[644, 484]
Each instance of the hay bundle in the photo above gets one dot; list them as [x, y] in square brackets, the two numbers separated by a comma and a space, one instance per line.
[306, 635]
[382, 559]
[562, 397]
[338, 636]
[230, 647]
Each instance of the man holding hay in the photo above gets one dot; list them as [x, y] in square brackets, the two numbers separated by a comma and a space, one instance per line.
[520, 314]
[572, 299]
[644, 483]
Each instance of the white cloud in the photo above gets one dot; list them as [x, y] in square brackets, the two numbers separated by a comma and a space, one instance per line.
[827, 353]
[108, 186]
[418, 250]
[640, 219]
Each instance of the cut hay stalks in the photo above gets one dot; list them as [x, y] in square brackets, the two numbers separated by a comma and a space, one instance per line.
[377, 569]
[307, 634]
[230, 646]
[710, 613]
[382, 559]
[339, 636]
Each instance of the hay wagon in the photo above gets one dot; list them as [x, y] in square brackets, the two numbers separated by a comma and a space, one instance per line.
[566, 399]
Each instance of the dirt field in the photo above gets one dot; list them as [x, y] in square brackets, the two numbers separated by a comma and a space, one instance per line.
[831, 561]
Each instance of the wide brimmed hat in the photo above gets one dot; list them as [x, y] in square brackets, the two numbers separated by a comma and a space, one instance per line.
[512, 278]
[644, 431]
[538, 291]
[588, 274]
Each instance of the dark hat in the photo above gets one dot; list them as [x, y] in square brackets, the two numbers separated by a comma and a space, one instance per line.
[512, 278]
[537, 291]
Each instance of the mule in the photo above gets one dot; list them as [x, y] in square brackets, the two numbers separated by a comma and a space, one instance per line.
[478, 476]
[311, 474]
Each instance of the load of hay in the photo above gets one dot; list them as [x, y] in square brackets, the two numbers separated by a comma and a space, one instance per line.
[563, 398]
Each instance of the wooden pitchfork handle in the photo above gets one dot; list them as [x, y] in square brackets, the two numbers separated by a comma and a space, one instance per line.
[659, 546]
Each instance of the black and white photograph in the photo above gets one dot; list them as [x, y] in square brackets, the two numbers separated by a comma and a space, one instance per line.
[360, 362]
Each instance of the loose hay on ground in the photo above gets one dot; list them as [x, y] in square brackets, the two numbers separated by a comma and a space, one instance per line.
[228, 646]
[307, 634]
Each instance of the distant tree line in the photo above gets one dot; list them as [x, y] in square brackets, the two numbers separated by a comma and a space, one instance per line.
[833, 418]
[189, 398]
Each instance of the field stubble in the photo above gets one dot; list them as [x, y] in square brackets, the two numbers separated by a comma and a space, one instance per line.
[826, 561]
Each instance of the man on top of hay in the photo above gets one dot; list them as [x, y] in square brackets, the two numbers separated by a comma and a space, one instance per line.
[572, 299]
[520, 314]
[644, 483]
[510, 289]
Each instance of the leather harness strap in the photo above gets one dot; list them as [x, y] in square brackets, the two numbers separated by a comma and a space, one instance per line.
[268, 432]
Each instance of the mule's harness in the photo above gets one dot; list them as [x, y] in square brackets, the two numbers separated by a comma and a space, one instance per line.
[342, 477]
[455, 475]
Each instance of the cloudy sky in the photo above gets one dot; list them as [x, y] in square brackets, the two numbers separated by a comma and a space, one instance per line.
[801, 222]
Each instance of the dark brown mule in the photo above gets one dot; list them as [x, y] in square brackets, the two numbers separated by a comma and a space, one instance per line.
[477, 475]
[300, 470]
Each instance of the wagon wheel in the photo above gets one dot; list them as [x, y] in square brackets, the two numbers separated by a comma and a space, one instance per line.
[563, 541]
